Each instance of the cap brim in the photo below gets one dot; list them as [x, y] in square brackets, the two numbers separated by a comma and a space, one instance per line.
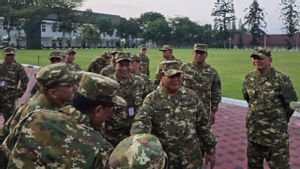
[119, 60]
[200, 50]
[260, 55]
[119, 101]
[172, 72]
[9, 53]
[295, 106]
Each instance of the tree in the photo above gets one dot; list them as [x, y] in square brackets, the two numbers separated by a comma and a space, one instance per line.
[184, 31]
[290, 18]
[105, 25]
[255, 19]
[157, 31]
[90, 35]
[129, 30]
[223, 12]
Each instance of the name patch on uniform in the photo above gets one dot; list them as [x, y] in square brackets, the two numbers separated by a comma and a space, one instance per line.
[2, 83]
[130, 111]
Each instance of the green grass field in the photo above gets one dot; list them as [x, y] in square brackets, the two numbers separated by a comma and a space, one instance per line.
[232, 65]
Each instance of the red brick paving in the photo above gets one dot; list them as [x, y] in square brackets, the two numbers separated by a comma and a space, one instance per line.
[231, 134]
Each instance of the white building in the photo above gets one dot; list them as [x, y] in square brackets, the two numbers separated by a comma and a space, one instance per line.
[55, 39]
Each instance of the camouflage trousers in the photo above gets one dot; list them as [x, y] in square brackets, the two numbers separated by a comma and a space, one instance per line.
[277, 156]
[7, 106]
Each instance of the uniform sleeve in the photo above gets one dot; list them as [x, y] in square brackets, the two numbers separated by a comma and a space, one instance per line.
[91, 67]
[203, 129]
[244, 91]
[24, 81]
[215, 93]
[143, 119]
[288, 94]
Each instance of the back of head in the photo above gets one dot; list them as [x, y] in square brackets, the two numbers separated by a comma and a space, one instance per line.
[141, 151]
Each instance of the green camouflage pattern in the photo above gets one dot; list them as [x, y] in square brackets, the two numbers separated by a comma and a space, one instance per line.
[56, 74]
[166, 47]
[74, 67]
[145, 64]
[277, 156]
[261, 52]
[149, 86]
[168, 62]
[295, 106]
[200, 47]
[99, 63]
[108, 71]
[205, 81]
[117, 127]
[56, 139]
[10, 76]
[169, 67]
[94, 87]
[138, 151]
[56, 54]
[122, 56]
[268, 98]
[181, 124]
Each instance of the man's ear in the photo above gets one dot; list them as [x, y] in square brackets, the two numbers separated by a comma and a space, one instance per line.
[51, 93]
[98, 111]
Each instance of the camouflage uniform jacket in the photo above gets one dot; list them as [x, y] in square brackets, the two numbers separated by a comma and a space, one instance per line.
[74, 67]
[98, 64]
[108, 71]
[179, 121]
[38, 101]
[56, 139]
[117, 127]
[149, 86]
[10, 75]
[268, 97]
[205, 82]
[144, 64]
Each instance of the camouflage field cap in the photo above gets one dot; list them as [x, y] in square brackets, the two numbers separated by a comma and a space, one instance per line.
[170, 67]
[9, 51]
[55, 54]
[54, 75]
[70, 50]
[166, 47]
[140, 151]
[122, 56]
[261, 52]
[143, 46]
[295, 106]
[100, 88]
[200, 47]
[116, 50]
[136, 58]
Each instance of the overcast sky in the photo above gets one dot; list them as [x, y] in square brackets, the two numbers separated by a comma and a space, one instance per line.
[197, 10]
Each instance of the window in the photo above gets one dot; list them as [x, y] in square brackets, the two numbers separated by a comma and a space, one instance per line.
[43, 28]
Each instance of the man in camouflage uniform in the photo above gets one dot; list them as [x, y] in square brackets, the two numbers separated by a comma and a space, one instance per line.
[69, 60]
[167, 55]
[99, 63]
[66, 138]
[144, 59]
[132, 88]
[136, 64]
[138, 151]
[56, 87]
[176, 115]
[268, 93]
[204, 80]
[11, 73]
[109, 70]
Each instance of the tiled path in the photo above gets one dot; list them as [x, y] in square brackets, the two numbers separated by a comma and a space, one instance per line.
[231, 134]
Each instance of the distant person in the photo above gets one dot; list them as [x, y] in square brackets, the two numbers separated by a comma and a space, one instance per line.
[140, 151]
[135, 69]
[132, 88]
[204, 80]
[66, 138]
[11, 74]
[167, 51]
[99, 63]
[268, 93]
[144, 59]
[176, 116]
[69, 59]
[109, 70]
